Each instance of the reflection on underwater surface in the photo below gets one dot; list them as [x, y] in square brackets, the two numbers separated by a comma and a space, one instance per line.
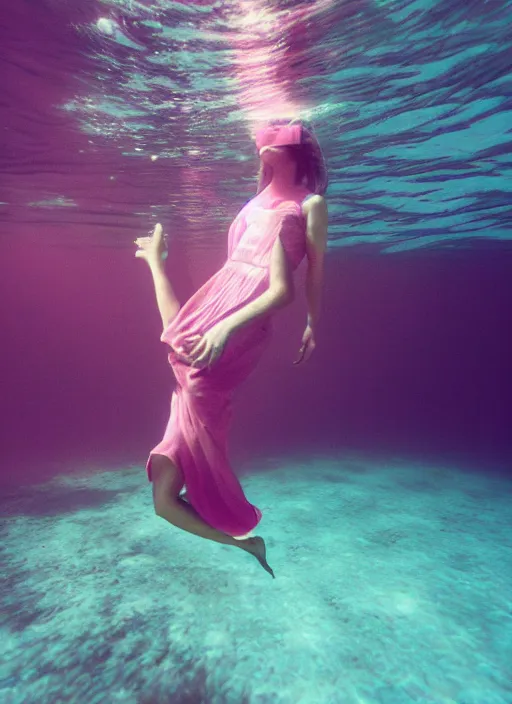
[123, 112]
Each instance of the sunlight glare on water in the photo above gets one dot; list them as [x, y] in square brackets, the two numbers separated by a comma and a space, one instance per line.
[157, 102]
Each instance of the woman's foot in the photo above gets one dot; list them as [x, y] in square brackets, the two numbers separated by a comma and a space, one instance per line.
[152, 249]
[256, 546]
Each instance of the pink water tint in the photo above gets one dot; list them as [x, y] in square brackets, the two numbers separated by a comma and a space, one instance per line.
[411, 355]
[85, 380]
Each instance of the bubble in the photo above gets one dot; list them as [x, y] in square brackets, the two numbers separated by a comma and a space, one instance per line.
[106, 26]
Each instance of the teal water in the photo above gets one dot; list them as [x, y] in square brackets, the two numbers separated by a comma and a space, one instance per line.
[392, 587]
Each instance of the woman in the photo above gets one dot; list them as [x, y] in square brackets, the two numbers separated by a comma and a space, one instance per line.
[218, 336]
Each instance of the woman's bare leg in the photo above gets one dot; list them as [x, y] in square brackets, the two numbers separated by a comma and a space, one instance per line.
[167, 482]
[151, 249]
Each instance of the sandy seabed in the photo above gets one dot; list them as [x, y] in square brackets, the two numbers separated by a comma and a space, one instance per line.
[393, 586]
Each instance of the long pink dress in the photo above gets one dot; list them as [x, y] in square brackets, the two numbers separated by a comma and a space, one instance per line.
[197, 432]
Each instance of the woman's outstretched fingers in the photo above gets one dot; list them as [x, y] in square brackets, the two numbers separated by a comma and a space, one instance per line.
[191, 340]
[198, 347]
[202, 355]
[302, 353]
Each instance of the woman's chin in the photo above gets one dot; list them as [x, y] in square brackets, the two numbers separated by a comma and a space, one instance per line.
[270, 155]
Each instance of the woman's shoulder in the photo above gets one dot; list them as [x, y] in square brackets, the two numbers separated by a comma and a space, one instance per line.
[313, 200]
[313, 203]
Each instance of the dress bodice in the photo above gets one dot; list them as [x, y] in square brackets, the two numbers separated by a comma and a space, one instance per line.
[245, 274]
[253, 233]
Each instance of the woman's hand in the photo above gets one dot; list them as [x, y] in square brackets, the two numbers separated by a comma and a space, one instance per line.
[210, 346]
[152, 249]
[308, 345]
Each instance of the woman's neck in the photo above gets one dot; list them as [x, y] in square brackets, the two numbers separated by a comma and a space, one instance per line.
[283, 177]
[283, 191]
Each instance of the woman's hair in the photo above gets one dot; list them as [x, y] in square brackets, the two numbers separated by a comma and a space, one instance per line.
[311, 168]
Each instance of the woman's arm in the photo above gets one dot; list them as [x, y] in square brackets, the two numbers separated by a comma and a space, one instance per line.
[315, 210]
[316, 243]
[280, 293]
